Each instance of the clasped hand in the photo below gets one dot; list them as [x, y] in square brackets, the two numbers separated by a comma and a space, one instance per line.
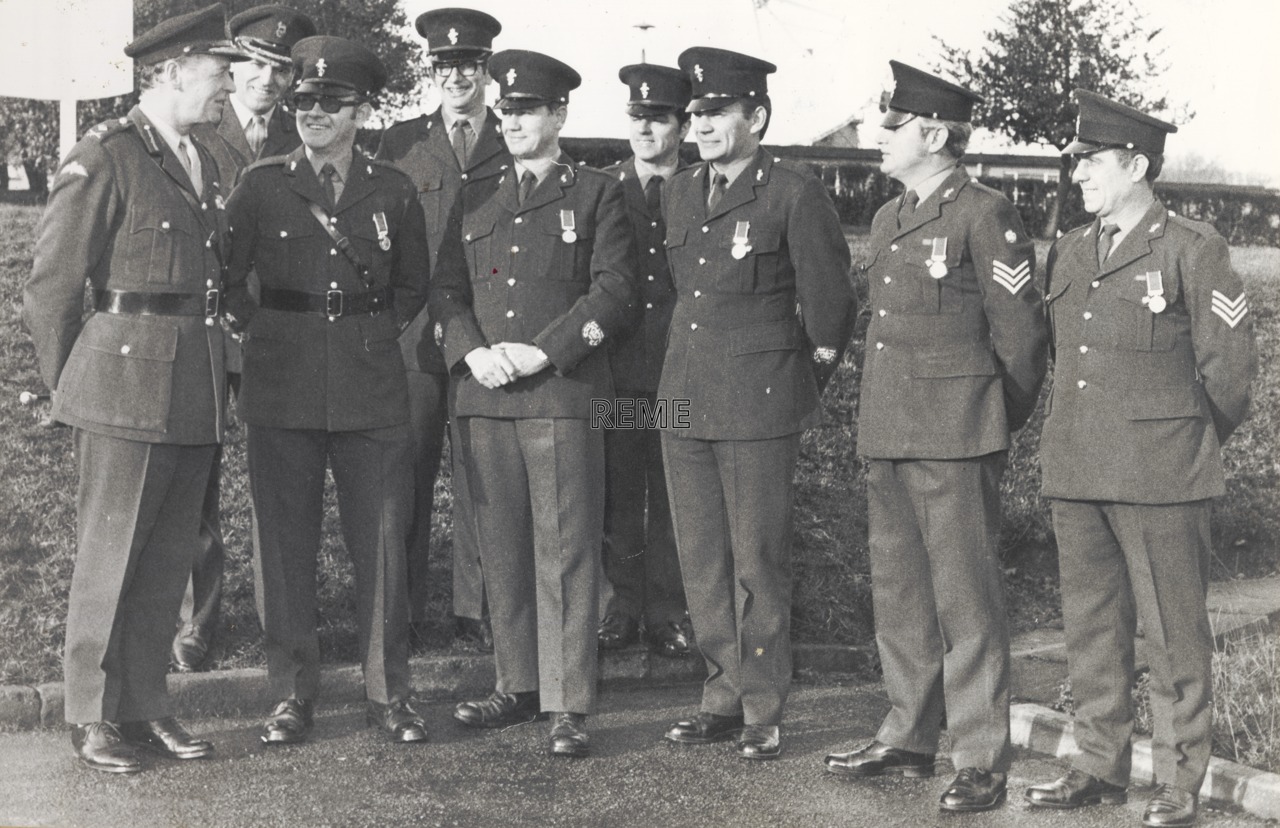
[497, 365]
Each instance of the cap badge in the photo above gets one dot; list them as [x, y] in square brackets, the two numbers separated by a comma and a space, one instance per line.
[644, 90]
[697, 71]
[511, 77]
[320, 67]
[453, 37]
[281, 28]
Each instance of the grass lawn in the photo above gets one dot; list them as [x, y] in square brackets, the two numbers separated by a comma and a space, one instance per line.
[833, 588]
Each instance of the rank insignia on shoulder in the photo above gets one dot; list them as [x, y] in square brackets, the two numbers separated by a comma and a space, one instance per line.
[75, 168]
[1012, 279]
[1010, 236]
[1230, 310]
[824, 356]
[592, 333]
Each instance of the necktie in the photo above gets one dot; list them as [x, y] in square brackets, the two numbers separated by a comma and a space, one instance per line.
[256, 134]
[909, 204]
[1105, 237]
[190, 162]
[718, 184]
[527, 182]
[653, 194]
[327, 173]
[459, 140]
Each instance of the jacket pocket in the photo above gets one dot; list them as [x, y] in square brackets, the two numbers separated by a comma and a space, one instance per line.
[159, 242]
[477, 240]
[944, 364]
[120, 373]
[760, 268]
[571, 251]
[783, 335]
[1164, 404]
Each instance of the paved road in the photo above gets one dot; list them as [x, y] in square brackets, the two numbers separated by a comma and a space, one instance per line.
[348, 777]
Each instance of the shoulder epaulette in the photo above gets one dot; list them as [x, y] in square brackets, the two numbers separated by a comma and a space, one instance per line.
[109, 129]
[1200, 228]
[270, 161]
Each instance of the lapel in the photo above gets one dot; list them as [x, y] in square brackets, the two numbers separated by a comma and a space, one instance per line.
[361, 182]
[631, 189]
[550, 189]
[931, 208]
[1080, 260]
[282, 133]
[742, 190]
[488, 141]
[229, 129]
[437, 142]
[302, 179]
[1137, 242]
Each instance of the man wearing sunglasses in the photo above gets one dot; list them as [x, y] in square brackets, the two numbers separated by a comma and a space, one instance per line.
[252, 125]
[955, 356]
[338, 244]
[459, 145]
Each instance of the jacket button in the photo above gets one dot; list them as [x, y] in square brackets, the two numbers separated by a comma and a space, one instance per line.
[511, 282]
[653, 224]
[1095, 283]
[164, 225]
[284, 234]
[519, 220]
[1081, 384]
[653, 250]
[702, 261]
[1084, 349]
[694, 326]
[696, 294]
[887, 280]
[883, 312]
[124, 349]
[648, 305]
[893, 248]
[333, 251]
[1088, 315]
[515, 248]
[650, 277]
[510, 314]
[464, 176]
[706, 229]
[879, 346]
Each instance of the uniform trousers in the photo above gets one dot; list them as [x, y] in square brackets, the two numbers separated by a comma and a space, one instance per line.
[537, 487]
[468, 575]
[137, 519]
[371, 470]
[203, 597]
[428, 413]
[731, 508]
[641, 565]
[938, 596]
[1120, 562]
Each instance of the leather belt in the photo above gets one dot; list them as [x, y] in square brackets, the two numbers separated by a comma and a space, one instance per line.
[139, 303]
[331, 303]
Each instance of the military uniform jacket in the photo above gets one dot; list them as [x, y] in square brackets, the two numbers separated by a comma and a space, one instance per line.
[636, 356]
[233, 148]
[1142, 401]
[528, 278]
[302, 370]
[956, 347]
[421, 148]
[758, 326]
[122, 215]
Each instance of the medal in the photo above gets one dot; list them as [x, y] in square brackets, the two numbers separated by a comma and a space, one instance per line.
[1154, 300]
[741, 240]
[380, 223]
[937, 260]
[567, 227]
[1157, 304]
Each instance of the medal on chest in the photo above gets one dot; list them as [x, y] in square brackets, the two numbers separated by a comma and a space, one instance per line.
[937, 261]
[384, 236]
[741, 240]
[1154, 300]
[568, 227]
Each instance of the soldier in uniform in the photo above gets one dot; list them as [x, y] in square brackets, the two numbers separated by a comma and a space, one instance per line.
[460, 144]
[640, 559]
[548, 278]
[338, 243]
[764, 308]
[136, 211]
[956, 353]
[1153, 355]
[252, 125]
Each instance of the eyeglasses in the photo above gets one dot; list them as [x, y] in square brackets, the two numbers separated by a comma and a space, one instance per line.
[305, 102]
[465, 68]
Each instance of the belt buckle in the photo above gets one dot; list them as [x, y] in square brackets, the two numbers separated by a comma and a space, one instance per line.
[333, 303]
[375, 304]
[212, 303]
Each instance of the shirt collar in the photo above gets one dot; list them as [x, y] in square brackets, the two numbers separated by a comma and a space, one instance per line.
[927, 187]
[244, 114]
[645, 171]
[341, 166]
[541, 168]
[167, 132]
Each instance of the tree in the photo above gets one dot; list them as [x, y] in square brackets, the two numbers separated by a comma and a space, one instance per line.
[30, 128]
[1043, 50]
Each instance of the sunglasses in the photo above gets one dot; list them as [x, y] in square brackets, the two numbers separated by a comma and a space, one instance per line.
[305, 102]
[465, 68]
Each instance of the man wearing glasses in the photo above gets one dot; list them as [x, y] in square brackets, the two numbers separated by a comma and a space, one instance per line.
[338, 245]
[460, 144]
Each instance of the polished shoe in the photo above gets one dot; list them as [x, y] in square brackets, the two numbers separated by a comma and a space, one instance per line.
[569, 735]
[500, 710]
[100, 746]
[167, 738]
[877, 759]
[289, 723]
[190, 648]
[704, 729]
[473, 632]
[670, 639]
[1170, 807]
[618, 631]
[760, 742]
[1075, 790]
[398, 720]
[974, 789]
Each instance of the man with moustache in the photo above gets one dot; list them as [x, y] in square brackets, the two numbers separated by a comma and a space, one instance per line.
[640, 562]
[459, 145]
[136, 211]
[253, 124]
[338, 244]
[954, 360]
[548, 278]
[764, 308]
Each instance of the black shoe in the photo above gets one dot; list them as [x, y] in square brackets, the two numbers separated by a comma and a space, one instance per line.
[473, 632]
[101, 747]
[190, 648]
[167, 738]
[1075, 790]
[877, 759]
[569, 735]
[289, 723]
[618, 631]
[1170, 807]
[704, 729]
[670, 639]
[500, 710]
[974, 789]
[760, 742]
[398, 720]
